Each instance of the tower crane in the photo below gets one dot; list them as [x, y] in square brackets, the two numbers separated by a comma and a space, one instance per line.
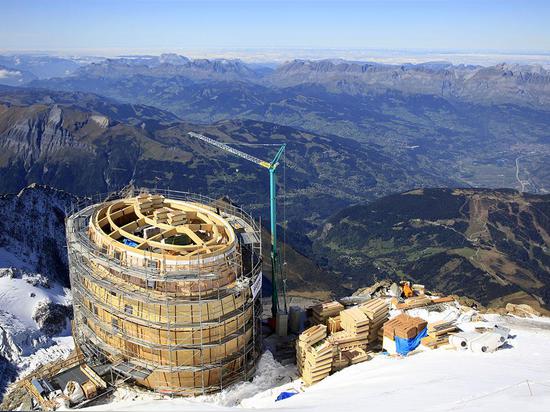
[278, 303]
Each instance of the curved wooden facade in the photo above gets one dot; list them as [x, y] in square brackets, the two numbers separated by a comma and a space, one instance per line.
[165, 289]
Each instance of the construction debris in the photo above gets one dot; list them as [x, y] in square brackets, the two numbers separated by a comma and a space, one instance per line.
[438, 334]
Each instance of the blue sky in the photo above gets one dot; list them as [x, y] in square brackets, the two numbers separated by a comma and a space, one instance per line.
[161, 25]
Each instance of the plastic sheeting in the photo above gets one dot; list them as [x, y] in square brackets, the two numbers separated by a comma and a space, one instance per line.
[404, 346]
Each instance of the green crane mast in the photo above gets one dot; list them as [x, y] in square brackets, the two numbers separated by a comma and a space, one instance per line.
[276, 267]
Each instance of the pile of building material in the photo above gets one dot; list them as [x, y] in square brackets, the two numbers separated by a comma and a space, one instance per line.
[145, 204]
[488, 341]
[351, 332]
[377, 310]
[161, 215]
[345, 358]
[334, 324]
[403, 334]
[314, 354]
[360, 325]
[323, 311]
[438, 333]
[176, 217]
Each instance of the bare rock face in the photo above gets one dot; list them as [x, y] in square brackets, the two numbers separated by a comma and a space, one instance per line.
[52, 318]
[522, 310]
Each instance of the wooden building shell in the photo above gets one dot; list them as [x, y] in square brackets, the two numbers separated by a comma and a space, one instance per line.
[162, 289]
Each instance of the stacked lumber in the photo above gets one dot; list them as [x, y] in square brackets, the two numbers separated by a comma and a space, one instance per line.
[438, 333]
[350, 333]
[176, 217]
[345, 340]
[161, 215]
[144, 203]
[157, 201]
[308, 338]
[377, 311]
[346, 358]
[334, 324]
[323, 311]
[415, 302]
[317, 363]
[355, 321]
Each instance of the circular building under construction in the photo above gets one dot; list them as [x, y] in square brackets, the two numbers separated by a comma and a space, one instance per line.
[165, 289]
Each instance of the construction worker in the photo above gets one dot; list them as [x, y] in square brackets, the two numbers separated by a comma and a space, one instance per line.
[407, 290]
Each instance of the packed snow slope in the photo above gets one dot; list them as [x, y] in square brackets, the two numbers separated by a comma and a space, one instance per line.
[513, 378]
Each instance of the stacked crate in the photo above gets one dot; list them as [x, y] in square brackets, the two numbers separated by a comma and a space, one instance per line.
[306, 339]
[377, 311]
[318, 362]
[314, 354]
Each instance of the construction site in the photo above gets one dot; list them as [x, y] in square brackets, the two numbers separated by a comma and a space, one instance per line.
[167, 296]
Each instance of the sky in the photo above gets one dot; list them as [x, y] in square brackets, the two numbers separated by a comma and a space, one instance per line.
[154, 26]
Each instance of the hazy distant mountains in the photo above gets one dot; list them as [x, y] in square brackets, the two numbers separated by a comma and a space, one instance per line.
[355, 132]
[85, 144]
[502, 83]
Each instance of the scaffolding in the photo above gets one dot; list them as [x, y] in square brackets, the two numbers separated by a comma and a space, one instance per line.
[166, 288]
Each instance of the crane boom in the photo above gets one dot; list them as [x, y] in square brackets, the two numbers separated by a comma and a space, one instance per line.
[230, 149]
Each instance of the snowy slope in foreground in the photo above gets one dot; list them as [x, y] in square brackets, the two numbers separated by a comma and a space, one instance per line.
[442, 380]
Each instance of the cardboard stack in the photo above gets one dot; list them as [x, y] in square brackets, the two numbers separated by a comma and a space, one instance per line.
[314, 354]
[402, 326]
[323, 311]
[438, 333]
[377, 311]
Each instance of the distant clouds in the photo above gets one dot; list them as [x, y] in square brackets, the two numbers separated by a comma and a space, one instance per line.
[4, 74]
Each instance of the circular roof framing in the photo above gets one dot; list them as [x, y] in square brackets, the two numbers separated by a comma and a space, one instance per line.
[162, 228]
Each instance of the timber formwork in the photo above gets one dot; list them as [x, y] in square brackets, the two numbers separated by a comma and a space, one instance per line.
[166, 289]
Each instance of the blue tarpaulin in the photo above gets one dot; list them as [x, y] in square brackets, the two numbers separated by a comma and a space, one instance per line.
[284, 395]
[404, 346]
[129, 242]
